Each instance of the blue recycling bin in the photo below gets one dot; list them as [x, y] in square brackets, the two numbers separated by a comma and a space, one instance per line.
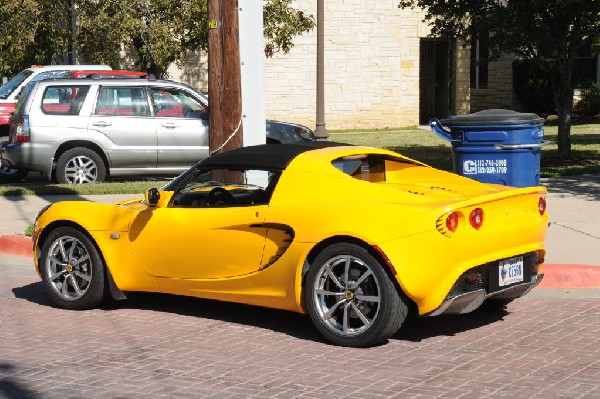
[495, 146]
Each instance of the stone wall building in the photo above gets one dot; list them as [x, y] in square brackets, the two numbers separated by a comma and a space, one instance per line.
[381, 70]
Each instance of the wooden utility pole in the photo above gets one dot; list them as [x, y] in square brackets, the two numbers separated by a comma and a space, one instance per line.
[224, 76]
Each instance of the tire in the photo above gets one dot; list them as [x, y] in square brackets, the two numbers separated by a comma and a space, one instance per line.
[366, 311]
[72, 269]
[80, 165]
[12, 174]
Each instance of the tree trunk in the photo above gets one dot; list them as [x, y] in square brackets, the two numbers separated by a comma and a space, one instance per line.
[155, 70]
[564, 103]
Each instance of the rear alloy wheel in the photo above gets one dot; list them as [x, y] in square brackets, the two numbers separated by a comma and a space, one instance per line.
[72, 270]
[80, 165]
[350, 298]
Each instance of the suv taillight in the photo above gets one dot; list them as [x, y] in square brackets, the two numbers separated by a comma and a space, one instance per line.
[22, 132]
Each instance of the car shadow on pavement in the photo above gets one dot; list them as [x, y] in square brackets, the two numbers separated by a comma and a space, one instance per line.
[415, 329]
[11, 387]
[281, 321]
[33, 292]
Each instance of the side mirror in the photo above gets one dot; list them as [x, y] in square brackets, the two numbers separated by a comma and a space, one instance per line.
[152, 196]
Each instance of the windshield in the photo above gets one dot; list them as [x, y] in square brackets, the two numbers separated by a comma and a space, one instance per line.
[10, 86]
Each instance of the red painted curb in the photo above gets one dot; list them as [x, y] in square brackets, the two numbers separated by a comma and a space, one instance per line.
[14, 244]
[570, 276]
[555, 276]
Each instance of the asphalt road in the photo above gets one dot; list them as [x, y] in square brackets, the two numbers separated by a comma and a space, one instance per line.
[153, 346]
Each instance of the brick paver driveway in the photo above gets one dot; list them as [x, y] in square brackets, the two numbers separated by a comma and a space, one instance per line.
[164, 346]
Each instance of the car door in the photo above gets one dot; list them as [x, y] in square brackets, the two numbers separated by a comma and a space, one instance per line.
[199, 243]
[182, 126]
[122, 122]
[193, 239]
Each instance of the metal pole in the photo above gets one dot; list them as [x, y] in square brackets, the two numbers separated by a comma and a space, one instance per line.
[215, 76]
[74, 39]
[321, 131]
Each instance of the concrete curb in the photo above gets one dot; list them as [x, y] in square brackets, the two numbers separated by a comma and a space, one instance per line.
[555, 276]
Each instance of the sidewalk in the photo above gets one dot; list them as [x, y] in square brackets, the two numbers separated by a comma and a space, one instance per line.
[572, 243]
[573, 240]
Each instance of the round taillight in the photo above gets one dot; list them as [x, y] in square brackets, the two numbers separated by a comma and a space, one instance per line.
[452, 222]
[542, 206]
[476, 218]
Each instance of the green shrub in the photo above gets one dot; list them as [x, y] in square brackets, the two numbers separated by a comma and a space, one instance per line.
[590, 101]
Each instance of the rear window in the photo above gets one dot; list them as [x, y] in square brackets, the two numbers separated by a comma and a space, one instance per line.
[373, 168]
[64, 100]
[25, 93]
[362, 167]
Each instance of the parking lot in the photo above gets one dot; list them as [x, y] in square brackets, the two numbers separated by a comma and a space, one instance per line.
[165, 346]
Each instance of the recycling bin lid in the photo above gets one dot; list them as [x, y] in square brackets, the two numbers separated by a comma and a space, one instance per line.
[494, 117]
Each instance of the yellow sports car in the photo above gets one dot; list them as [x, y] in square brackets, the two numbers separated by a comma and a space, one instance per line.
[356, 237]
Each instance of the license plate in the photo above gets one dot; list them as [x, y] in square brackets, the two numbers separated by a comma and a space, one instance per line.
[510, 271]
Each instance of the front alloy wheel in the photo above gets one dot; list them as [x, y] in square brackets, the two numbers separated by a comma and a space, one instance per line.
[72, 269]
[351, 299]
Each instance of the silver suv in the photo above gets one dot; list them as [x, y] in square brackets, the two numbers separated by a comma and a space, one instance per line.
[81, 131]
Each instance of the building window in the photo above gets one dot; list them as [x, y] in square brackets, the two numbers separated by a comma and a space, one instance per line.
[585, 66]
[479, 61]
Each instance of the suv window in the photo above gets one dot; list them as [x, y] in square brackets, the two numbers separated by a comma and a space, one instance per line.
[25, 93]
[174, 102]
[64, 100]
[122, 101]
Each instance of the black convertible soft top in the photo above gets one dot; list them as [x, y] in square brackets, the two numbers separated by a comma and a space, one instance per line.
[265, 156]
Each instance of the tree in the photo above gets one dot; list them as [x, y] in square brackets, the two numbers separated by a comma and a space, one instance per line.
[160, 32]
[546, 30]
[33, 32]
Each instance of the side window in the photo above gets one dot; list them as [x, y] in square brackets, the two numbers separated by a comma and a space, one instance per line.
[64, 100]
[176, 103]
[122, 101]
[480, 52]
[211, 188]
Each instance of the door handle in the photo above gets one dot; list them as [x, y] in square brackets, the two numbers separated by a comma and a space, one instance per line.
[170, 125]
[101, 124]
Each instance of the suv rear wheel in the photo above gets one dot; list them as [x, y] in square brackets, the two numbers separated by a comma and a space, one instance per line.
[12, 174]
[80, 165]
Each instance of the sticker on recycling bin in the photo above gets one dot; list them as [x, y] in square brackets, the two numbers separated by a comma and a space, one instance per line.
[484, 166]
